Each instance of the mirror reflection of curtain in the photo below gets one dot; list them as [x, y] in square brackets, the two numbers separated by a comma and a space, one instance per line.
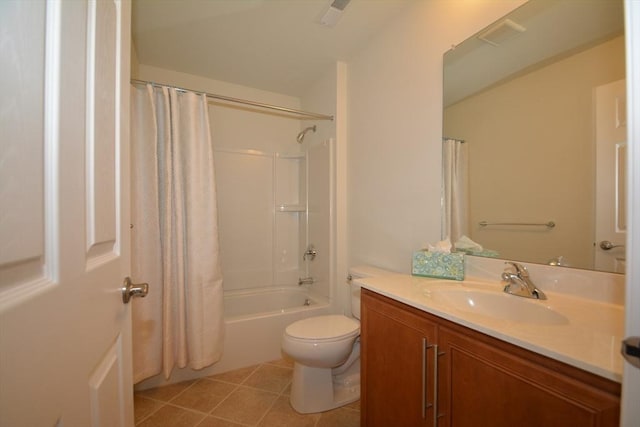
[455, 197]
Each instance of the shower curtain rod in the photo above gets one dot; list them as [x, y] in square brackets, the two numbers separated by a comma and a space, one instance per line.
[304, 114]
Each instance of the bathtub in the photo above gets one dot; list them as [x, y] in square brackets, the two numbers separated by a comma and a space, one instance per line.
[254, 323]
[266, 302]
[256, 319]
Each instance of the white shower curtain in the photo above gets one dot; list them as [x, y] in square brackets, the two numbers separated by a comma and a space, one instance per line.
[455, 215]
[174, 238]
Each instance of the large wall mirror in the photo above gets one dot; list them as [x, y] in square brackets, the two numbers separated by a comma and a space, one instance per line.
[535, 129]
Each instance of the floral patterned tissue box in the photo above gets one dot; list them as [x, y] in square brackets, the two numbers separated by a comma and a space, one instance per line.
[440, 265]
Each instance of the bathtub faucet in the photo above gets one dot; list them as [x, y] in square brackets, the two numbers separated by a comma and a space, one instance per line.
[305, 281]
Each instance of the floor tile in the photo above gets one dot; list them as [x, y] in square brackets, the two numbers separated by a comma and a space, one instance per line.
[204, 395]
[340, 417]
[218, 422]
[282, 414]
[285, 362]
[144, 407]
[236, 376]
[270, 378]
[287, 390]
[172, 416]
[253, 396]
[166, 393]
[245, 405]
[354, 405]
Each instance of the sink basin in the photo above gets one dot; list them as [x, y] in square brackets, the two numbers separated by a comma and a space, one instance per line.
[498, 305]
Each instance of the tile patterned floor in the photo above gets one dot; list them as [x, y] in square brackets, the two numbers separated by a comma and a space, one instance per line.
[253, 396]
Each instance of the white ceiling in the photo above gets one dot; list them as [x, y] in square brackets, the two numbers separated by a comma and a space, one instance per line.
[279, 46]
[554, 29]
[274, 45]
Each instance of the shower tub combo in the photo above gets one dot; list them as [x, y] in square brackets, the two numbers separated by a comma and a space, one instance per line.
[276, 204]
[255, 321]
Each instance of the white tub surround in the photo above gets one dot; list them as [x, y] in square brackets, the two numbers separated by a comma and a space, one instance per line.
[586, 334]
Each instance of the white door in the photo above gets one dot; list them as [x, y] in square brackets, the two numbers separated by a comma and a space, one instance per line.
[631, 374]
[64, 213]
[611, 172]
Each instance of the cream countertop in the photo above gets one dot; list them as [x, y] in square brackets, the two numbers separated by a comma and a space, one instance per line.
[589, 340]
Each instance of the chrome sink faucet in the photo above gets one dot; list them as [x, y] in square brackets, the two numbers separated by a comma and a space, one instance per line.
[519, 283]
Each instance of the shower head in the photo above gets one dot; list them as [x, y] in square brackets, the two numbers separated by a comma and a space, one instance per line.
[301, 135]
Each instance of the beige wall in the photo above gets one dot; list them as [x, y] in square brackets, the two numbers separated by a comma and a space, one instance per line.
[324, 97]
[533, 161]
[395, 129]
[134, 61]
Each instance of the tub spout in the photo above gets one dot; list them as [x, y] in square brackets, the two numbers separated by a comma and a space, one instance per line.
[310, 252]
[305, 281]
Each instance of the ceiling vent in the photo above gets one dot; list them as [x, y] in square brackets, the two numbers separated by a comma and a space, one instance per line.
[331, 16]
[501, 32]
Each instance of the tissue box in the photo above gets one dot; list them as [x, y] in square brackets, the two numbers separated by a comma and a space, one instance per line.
[438, 264]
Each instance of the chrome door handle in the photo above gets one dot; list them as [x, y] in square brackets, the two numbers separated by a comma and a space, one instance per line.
[631, 351]
[606, 245]
[130, 289]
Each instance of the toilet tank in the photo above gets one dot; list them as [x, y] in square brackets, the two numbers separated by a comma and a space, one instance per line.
[360, 272]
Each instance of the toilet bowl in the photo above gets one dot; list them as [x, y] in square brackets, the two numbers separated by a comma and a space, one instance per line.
[326, 354]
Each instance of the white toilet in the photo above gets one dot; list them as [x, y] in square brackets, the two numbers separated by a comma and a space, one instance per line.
[326, 352]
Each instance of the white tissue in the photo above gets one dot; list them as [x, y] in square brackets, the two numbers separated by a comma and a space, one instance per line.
[466, 244]
[441, 246]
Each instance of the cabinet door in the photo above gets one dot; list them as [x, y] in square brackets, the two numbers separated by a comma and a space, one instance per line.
[397, 362]
[487, 382]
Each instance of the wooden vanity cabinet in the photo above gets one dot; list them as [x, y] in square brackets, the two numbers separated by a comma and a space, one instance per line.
[485, 381]
[396, 387]
[481, 381]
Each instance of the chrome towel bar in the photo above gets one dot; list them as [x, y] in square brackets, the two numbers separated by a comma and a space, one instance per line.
[549, 224]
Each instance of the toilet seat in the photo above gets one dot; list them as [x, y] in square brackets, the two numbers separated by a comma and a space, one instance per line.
[331, 327]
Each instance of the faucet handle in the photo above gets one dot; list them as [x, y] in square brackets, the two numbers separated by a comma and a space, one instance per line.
[508, 277]
[521, 270]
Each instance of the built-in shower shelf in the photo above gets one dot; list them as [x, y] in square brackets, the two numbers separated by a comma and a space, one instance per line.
[291, 208]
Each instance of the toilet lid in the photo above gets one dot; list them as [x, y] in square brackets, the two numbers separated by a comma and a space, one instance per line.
[332, 326]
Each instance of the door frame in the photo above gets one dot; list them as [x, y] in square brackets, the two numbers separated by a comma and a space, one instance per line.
[631, 376]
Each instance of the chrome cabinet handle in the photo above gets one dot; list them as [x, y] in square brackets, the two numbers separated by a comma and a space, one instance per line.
[426, 405]
[435, 385]
[606, 245]
[130, 290]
